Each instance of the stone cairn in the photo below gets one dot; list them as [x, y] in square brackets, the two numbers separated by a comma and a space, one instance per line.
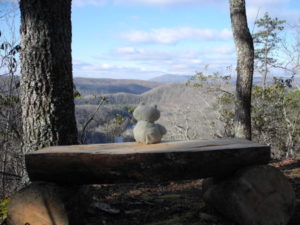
[146, 131]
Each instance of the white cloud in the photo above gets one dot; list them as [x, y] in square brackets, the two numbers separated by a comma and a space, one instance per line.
[83, 69]
[276, 8]
[130, 62]
[150, 62]
[9, 1]
[139, 54]
[128, 50]
[81, 3]
[174, 35]
[165, 59]
[223, 49]
[154, 3]
[216, 3]
[149, 56]
[267, 3]
[167, 2]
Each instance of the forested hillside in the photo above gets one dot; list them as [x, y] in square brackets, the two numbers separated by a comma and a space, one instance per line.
[100, 86]
[186, 111]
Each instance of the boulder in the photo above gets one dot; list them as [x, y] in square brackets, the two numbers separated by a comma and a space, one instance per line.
[146, 131]
[145, 112]
[37, 204]
[257, 195]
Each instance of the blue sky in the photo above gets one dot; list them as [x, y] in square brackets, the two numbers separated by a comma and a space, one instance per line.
[141, 39]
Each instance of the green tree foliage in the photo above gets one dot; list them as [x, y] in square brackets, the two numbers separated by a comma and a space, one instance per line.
[275, 117]
[266, 41]
[226, 113]
[3, 209]
[220, 86]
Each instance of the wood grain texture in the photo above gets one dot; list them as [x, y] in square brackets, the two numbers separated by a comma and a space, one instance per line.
[132, 162]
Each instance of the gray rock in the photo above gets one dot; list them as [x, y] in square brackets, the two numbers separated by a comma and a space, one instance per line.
[146, 131]
[257, 195]
[145, 112]
[162, 129]
[39, 204]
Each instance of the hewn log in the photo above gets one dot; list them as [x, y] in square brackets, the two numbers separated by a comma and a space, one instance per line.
[132, 162]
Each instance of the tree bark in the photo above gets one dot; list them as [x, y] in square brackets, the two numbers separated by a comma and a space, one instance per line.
[245, 64]
[46, 67]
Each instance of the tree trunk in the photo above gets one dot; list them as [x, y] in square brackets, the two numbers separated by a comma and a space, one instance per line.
[46, 67]
[245, 62]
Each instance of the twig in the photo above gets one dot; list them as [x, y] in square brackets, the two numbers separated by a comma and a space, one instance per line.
[255, 21]
[83, 133]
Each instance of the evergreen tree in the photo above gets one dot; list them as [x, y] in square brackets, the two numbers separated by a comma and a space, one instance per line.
[266, 41]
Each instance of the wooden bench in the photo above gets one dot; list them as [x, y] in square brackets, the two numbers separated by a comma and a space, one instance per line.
[255, 191]
[132, 162]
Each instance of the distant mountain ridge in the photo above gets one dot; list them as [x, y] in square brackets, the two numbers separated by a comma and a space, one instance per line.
[100, 86]
[171, 78]
[121, 90]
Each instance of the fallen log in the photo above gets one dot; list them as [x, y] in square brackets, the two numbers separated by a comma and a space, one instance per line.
[132, 162]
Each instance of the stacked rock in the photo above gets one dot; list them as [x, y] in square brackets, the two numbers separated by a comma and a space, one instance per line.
[146, 131]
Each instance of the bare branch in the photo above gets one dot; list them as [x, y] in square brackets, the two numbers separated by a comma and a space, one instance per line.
[83, 132]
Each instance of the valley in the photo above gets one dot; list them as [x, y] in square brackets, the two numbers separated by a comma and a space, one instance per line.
[187, 112]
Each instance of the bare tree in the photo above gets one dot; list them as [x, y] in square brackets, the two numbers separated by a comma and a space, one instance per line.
[46, 67]
[12, 167]
[245, 64]
[91, 118]
[290, 47]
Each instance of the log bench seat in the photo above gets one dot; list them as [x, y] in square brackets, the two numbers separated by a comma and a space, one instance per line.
[132, 162]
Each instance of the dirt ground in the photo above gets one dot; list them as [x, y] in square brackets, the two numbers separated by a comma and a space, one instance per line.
[175, 203]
